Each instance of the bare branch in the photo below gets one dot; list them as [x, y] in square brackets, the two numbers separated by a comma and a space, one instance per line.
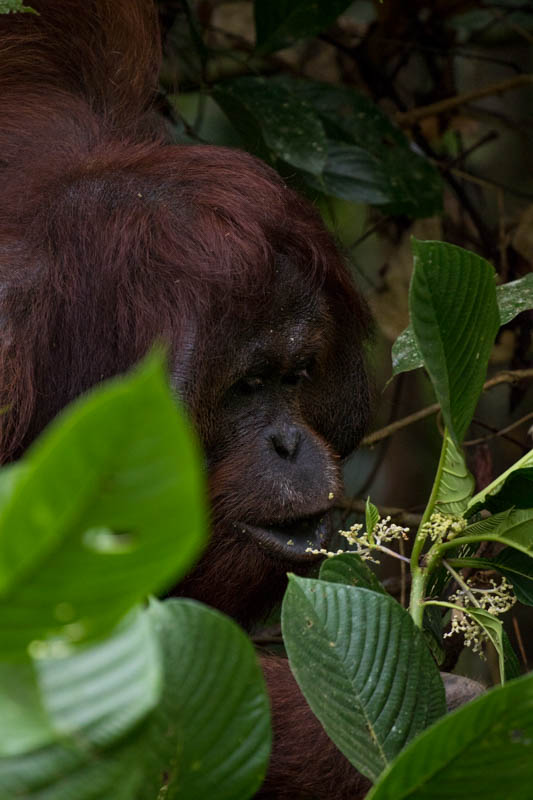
[413, 116]
[506, 376]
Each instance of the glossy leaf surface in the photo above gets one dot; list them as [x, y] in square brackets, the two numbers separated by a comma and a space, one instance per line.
[372, 682]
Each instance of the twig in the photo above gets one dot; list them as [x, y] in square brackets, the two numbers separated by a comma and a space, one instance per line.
[501, 432]
[489, 137]
[464, 586]
[519, 640]
[392, 553]
[407, 118]
[490, 183]
[506, 376]
[388, 430]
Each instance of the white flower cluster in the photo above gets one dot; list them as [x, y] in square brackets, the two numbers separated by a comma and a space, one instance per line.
[496, 600]
[441, 526]
[365, 544]
[473, 634]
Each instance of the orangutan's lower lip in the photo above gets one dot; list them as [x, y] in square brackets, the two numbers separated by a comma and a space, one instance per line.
[293, 540]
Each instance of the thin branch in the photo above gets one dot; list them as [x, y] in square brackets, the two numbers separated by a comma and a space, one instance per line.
[462, 583]
[506, 376]
[490, 183]
[407, 118]
[392, 553]
[410, 419]
[488, 137]
[501, 432]
[519, 640]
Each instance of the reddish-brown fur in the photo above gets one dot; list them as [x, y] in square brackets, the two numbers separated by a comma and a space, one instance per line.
[110, 239]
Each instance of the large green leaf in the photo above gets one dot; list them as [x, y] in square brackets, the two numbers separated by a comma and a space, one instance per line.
[513, 488]
[108, 506]
[210, 735]
[24, 724]
[455, 483]
[483, 751]
[95, 694]
[512, 298]
[261, 109]
[513, 528]
[98, 693]
[73, 771]
[369, 159]
[452, 301]
[353, 174]
[371, 680]
[350, 569]
[279, 22]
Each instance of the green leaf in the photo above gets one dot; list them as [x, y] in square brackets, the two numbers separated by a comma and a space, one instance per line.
[279, 22]
[210, 735]
[371, 516]
[15, 6]
[113, 491]
[511, 664]
[94, 694]
[289, 128]
[369, 159]
[24, 724]
[455, 483]
[352, 174]
[455, 318]
[93, 698]
[512, 488]
[371, 682]
[515, 297]
[513, 528]
[493, 628]
[483, 751]
[350, 569]
[73, 772]
[512, 298]
[405, 353]
[98, 693]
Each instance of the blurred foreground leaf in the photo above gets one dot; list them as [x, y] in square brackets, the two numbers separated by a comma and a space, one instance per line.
[210, 735]
[112, 491]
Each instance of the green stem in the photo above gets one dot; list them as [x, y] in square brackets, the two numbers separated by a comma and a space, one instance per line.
[419, 580]
[444, 604]
[390, 552]
[443, 546]
[421, 537]
[420, 573]
[462, 583]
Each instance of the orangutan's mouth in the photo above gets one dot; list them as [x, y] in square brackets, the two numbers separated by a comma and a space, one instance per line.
[293, 540]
